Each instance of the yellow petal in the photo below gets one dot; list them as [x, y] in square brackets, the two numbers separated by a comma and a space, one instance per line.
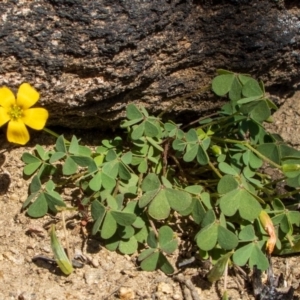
[35, 118]
[4, 117]
[7, 98]
[27, 96]
[17, 132]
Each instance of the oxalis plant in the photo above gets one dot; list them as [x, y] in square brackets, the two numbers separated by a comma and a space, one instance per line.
[162, 179]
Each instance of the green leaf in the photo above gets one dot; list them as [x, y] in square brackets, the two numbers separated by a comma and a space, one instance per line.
[260, 112]
[227, 239]
[147, 198]
[218, 269]
[74, 146]
[59, 254]
[242, 255]
[222, 84]
[108, 182]
[125, 232]
[207, 237]
[60, 144]
[178, 200]
[240, 200]
[29, 158]
[96, 182]
[138, 131]
[38, 208]
[112, 244]
[31, 168]
[252, 88]
[150, 129]
[127, 158]
[167, 240]
[227, 169]
[145, 253]
[198, 211]
[132, 112]
[83, 161]
[150, 262]
[109, 226]
[191, 152]
[69, 167]
[53, 200]
[209, 218]
[202, 156]
[271, 151]
[159, 208]
[247, 234]
[151, 239]
[194, 189]
[235, 92]
[141, 235]
[123, 218]
[191, 136]
[123, 172]
[227, 184]
[178, 145]
[128, 246]
[155, 143]
[151, 182]
[165, 265]
[143, 166]
[98, 212]
[258, 259]
[35, 184]
[56, 156]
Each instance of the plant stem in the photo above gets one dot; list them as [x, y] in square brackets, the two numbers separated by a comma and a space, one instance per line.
[246, 144]
[54, 134]
[215, 169]
[288, 194]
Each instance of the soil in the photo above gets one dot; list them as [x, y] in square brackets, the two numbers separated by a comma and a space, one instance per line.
[105, 275]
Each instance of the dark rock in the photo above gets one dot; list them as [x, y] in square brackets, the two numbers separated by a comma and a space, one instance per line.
[88, 59]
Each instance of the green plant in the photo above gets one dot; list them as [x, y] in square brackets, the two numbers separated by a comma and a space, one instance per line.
[207, 177]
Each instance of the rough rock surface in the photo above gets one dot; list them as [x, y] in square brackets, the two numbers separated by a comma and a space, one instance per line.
[89, 59]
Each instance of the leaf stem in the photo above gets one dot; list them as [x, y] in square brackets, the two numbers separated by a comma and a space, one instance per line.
[246, 144]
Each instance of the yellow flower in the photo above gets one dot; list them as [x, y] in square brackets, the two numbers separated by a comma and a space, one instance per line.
[17, 113]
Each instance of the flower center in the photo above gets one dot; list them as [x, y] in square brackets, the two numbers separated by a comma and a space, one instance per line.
[16, 112]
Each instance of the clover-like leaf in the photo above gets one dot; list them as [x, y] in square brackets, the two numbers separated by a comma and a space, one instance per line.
[178, 200]
[98, 212]
[222, 84]
[159, 208]
[39, 207]
[227, 239]
[240, 200]
[247, 234]
[207, 237]
[133, 113]
[128, 246]
[109, 226]
[123, 218]
[167, 240]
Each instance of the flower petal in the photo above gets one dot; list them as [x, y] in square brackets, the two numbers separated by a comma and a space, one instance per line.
[7, 98]
[17, 132]
[35, 118]
[4, 117]
[27, 96]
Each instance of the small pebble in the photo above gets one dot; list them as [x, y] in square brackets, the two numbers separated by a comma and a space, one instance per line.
[93, 276]
[165, 288]
[95, 262]
[126, 293]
